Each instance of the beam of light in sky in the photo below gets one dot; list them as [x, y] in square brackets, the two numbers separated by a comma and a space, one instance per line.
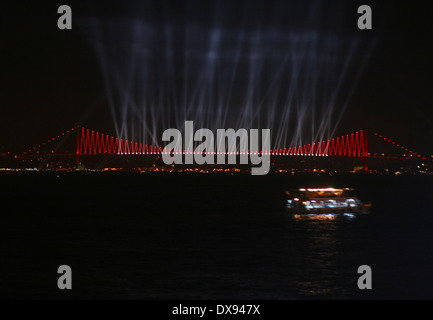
[159, 75]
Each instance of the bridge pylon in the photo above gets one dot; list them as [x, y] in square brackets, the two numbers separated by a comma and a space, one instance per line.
[78, 145]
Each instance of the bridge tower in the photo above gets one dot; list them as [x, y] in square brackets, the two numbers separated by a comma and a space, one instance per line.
[365, 142]
[78, 145]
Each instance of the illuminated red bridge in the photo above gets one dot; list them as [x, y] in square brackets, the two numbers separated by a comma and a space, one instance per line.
[89, 142]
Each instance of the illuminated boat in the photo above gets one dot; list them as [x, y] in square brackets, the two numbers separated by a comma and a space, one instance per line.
[326, 200]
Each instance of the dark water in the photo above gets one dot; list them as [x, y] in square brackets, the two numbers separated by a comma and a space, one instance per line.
[147, 236]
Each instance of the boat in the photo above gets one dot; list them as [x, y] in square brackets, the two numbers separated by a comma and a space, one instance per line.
[324, 201]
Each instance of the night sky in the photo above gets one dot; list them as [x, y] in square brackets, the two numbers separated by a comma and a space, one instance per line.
[51, 79]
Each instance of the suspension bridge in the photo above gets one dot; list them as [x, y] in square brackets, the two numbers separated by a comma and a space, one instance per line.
[89, 142]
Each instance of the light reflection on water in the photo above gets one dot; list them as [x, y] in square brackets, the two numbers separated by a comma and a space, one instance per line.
[320, 217]
[323, 248]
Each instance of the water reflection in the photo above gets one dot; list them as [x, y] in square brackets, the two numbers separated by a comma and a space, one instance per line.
[321, 217]
[323, 248]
